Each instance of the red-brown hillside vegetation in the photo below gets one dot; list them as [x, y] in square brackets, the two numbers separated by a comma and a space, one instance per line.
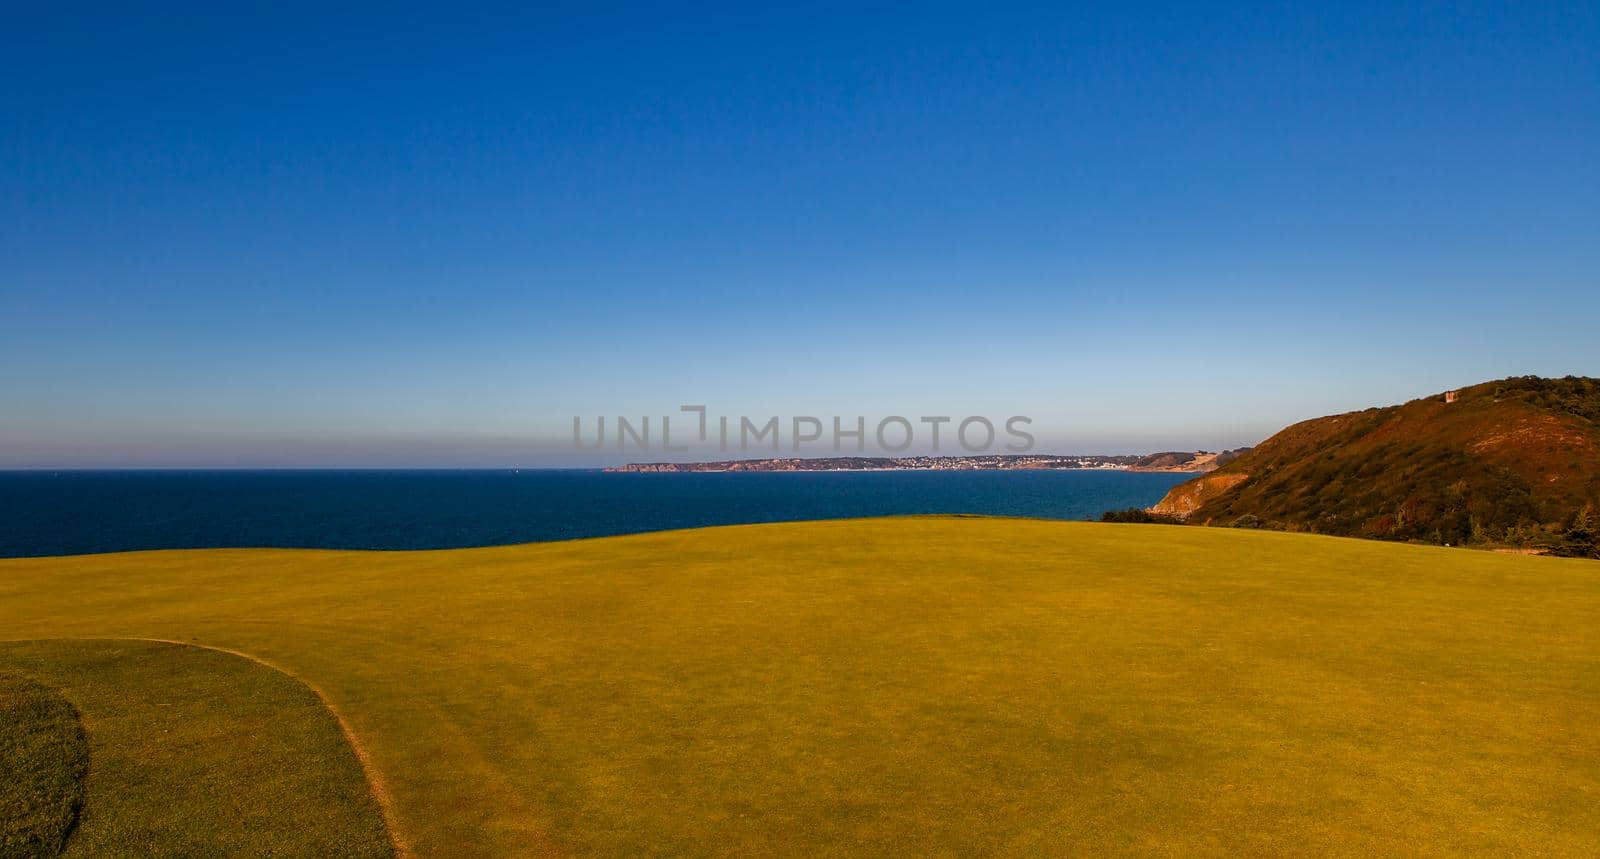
[1513, 462]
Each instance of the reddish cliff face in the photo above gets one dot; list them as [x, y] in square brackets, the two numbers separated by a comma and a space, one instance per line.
[1186, 498]
[1508, 462]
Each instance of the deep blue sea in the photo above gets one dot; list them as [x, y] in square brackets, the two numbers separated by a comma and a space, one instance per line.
[77, 512]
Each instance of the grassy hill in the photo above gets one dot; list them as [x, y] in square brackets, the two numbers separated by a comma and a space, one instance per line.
[1514, 462]
[913, 686]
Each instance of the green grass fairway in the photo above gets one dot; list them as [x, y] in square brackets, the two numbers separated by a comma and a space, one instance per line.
[192, 752]
[923, 686]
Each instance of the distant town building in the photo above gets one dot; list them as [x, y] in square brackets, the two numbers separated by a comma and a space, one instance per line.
[1450, 396]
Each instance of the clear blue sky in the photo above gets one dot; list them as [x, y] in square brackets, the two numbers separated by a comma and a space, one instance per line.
[391, 236]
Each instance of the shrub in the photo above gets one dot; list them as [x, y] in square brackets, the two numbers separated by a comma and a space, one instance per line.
[1139, 516]
[1578, 538]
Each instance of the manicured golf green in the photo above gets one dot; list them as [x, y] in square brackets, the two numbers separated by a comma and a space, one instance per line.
[189, 752]
[913, 686]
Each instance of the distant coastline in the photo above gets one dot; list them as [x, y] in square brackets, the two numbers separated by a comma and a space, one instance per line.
[1166, 461]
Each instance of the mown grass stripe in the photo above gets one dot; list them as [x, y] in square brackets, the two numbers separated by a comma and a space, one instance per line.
[375, 785]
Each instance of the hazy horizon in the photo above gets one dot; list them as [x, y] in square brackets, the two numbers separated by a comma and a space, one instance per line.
[518, 453]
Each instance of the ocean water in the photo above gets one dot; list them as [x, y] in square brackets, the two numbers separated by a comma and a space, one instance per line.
[44, 513]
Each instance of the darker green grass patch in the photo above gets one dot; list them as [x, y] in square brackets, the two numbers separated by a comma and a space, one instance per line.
[44, 756]
[196, 753]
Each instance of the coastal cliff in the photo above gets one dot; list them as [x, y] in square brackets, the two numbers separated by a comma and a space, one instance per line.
[1514, 462]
